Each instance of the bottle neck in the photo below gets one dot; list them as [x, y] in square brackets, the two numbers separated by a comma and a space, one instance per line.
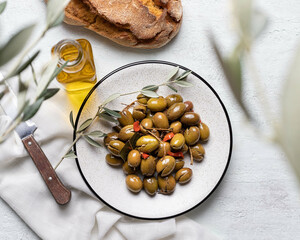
[70, 53]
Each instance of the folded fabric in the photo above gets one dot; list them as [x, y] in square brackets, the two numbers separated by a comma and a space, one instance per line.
[85, 217]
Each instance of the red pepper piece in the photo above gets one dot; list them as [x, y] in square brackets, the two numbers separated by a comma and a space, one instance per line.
[177, 154]
[136, 126]
[145, 155]
[168, 136]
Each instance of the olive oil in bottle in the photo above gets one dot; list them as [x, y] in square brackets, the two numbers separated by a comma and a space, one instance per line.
[79, 72]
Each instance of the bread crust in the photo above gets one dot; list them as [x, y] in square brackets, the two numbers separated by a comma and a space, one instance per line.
[136, 28]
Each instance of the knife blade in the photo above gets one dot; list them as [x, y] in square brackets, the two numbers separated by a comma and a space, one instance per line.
[26, 130]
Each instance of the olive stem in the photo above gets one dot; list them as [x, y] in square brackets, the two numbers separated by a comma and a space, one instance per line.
[162, 129]
[191, 155]
[151, 133]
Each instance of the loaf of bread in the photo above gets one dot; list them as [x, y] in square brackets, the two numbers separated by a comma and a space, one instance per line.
[132, 23]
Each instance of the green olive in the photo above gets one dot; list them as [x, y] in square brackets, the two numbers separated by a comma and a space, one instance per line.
[126, 133]
[134, 183]
[148, 166]
[147, 144]
[184, 175]
[150, 185]
[139, 112]
[127, 169]
[189, 106]
[113, 160]
[179, 163]
[198, 152]
[146, 123]
[177, 141]
[176, 127]
[166, 184]
[160, 120]
[157, 104]
[134, 158]
[126, 118]
[110, 136]
[164, 148]
[173, 98]
[190, 119]
[204, 131]
[191, 135]
[142, 99]
[165, 165]
[115, 147]
[175, 111]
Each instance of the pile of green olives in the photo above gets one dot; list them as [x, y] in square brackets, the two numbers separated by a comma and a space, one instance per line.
[167, 128]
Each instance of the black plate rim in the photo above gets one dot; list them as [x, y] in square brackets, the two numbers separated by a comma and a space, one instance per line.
[155, 62]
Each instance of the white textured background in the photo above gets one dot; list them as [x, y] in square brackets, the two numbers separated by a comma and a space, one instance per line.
[259, 196]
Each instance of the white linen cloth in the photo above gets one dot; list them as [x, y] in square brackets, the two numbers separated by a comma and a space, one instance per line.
[85, 217]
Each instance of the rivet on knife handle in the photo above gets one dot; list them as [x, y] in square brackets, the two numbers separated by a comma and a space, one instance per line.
[60, 193]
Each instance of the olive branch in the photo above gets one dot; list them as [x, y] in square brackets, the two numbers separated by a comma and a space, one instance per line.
[112, 115]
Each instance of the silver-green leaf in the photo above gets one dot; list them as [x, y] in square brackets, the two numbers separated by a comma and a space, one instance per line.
[92, 141]
[55, 10]
[2, 7]
[107, 117]
[150, 87]
[172, 73]
[70, 154]
[71, 118]
[112, 112]
[183, 75]
[32, 109]
[15, 44]
[171, 87]
[183, 84]
[96, 133]
[85, 125]
[150, 94]
[111, 98]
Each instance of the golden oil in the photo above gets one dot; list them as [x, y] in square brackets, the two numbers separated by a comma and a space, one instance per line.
[79, 72]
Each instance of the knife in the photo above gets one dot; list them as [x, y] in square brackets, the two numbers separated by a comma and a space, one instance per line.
[26, 130]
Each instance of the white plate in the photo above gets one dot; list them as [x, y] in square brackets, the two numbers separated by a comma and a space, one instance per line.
[108, 183]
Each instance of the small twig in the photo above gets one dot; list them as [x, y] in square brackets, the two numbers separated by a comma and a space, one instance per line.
[191, 155]
[162, 129]
[151, 133]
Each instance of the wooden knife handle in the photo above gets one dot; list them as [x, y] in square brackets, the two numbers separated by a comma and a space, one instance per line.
[60, 193]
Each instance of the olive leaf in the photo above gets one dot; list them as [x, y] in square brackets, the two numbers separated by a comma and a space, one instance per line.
[259, 23]
[50, 92]
[71, 118]
[170, 86]
[31, 110]
[2, 6]
[96, 133]
[183, 75]
[150, 87]
[107, 117]
[92, 141]
[111, 98]
[172, 73]
[70, 154]
[129, 145]
[183, 84]
[112, 112]
[55, 11]
[289, 128]
[149, 93]
[85, 125]
[15, 44]
[33, 74]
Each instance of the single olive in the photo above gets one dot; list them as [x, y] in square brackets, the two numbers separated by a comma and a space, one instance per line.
[164, 148]
[165, 165]
[147, 144]
[192, 135]
[184, 175]
[134, 183]
[198, 152]
[160, 120]
[142, 99]
[113, 160]
[204, 131]
[189, 106]
[150, 185]
[126, 118]
[134, 158]
[177, 141]
[139, 112]
[175, 111]
[126, 133]
[127, 169]
[115, 147]
[190, 119]
[173, 98]
[179, 163]
[166, 184]
[148, 166]
[110, 136]
[157, 104]
[176, 127]
[146, 123]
